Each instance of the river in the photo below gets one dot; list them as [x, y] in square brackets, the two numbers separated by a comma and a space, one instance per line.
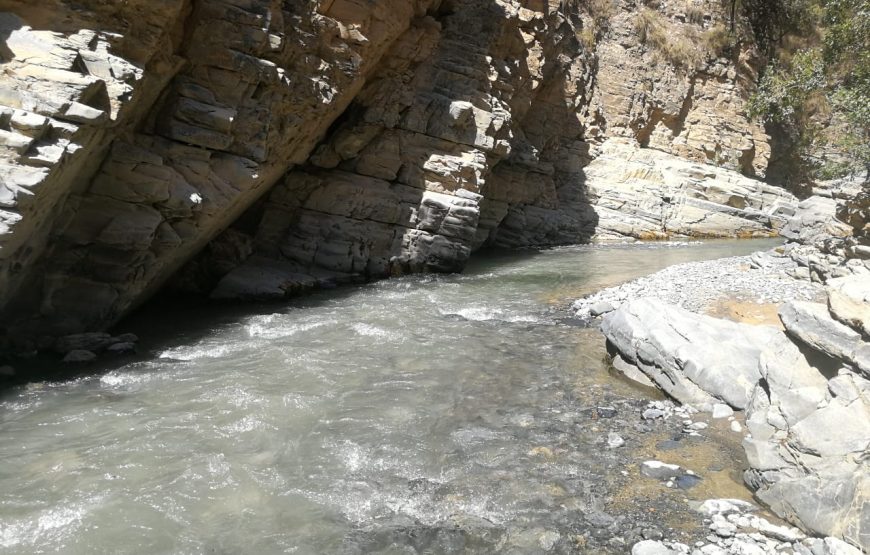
[424, 414]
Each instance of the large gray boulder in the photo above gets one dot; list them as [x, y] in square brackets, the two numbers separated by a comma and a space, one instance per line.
[814, 220]
[809, 442]
[811, 466]
[695, 359]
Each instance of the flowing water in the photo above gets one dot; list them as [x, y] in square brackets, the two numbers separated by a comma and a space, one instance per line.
[426, 414]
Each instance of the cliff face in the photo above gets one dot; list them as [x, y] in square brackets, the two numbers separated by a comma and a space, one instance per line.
[257, 147]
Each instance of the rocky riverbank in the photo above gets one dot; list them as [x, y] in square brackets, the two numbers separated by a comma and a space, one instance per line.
[793, 357]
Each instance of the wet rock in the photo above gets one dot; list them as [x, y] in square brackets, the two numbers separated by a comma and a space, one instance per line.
[631, 372]
[687, 481]
[7, 371]
[121, 348]
[95, 341]
[606, 412]
[127, 338]
[673, 474]
[79, 355]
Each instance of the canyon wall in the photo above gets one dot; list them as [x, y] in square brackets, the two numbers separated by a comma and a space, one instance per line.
[256, 148]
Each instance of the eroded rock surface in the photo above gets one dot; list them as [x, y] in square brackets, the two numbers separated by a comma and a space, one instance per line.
[808, 434]
[341, 140]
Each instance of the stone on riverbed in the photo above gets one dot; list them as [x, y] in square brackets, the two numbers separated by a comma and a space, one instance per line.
[651, 547]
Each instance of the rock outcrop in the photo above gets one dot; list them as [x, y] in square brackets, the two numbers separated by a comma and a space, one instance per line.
[809, 434]
[829, 236]
[267, 147]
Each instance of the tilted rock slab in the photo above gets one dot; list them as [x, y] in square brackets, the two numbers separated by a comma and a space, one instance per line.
[808, 448]
[222, 142]
[812, 325]
[647, 194]
[849, 301]
[696, 360]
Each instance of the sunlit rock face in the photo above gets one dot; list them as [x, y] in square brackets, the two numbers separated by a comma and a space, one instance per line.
[256, 148]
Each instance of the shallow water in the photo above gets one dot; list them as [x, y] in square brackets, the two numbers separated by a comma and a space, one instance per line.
[426, 414]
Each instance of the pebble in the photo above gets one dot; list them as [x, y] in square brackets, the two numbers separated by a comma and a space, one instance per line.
[660, 470]
[735, 532]
[652, 414]
[614, 440]
[721, 410]
[697, 286]
[736, 427]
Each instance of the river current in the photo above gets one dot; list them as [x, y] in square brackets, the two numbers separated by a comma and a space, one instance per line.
[424, 414]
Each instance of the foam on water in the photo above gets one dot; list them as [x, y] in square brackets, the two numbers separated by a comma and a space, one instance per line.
[344, 422]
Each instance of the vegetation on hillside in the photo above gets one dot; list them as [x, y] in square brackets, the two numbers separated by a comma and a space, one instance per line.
[815, 93]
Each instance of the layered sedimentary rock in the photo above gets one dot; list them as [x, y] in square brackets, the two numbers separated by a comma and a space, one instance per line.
[830, 232]
[344, 139]
[809, 430]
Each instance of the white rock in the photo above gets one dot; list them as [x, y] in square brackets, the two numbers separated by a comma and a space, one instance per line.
[721, 410]
[651, 547]
[711, 507]
[614, 440]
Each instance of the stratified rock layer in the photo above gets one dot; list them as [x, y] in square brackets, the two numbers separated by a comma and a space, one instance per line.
[340, 139]
[809, 435]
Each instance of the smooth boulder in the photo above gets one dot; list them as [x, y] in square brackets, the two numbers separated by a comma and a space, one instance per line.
[695, 359]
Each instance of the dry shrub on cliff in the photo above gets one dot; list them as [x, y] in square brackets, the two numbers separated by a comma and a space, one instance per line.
[676, 45]
[716, 40]
[695, 14]
[600, 13]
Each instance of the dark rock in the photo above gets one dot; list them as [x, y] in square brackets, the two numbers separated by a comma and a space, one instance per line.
[79, 355]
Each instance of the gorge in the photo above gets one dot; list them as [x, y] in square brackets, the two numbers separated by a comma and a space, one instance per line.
[185, 184]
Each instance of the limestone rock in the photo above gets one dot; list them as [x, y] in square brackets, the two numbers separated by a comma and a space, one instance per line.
[849, 302]
[811, 324]
[646, 194]
[809, 435]
[696, 359]
[355, 139]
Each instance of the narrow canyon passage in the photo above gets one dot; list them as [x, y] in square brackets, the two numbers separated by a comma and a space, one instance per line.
[449, 413]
